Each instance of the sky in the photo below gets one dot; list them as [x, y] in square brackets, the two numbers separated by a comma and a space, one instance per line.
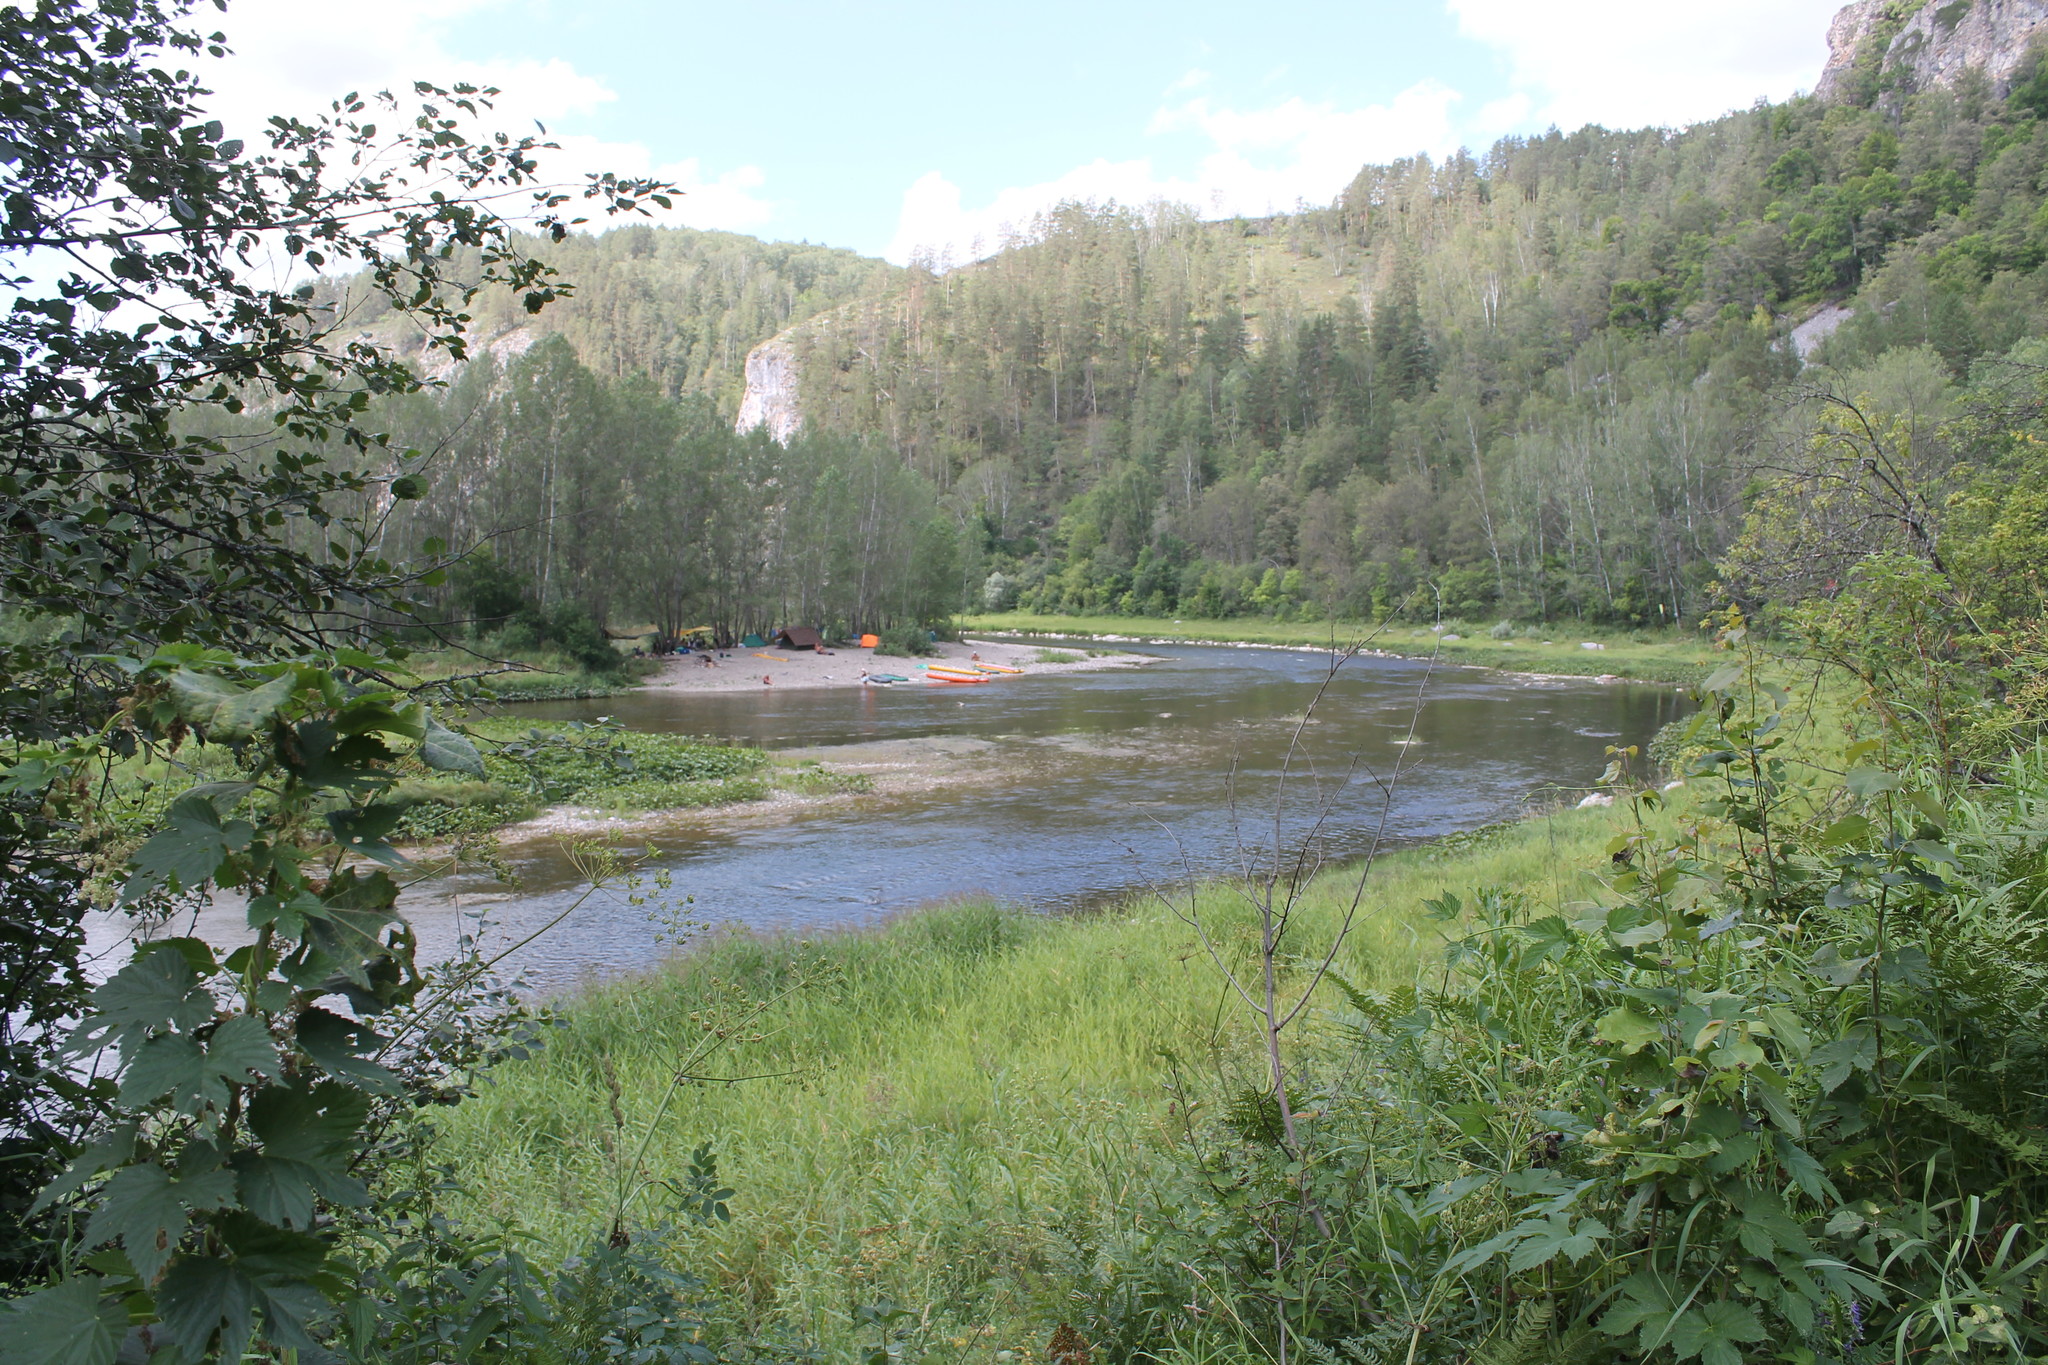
[895, 127]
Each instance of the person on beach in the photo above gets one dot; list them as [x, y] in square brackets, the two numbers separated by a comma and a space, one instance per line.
[767, 681]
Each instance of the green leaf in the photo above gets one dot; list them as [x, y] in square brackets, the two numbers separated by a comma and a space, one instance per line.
[158, 990]
[308, 1137]
[365, 830]
[347, 935]
[335, 1042]
[196, 1078]
[66, 1324]
[1721, 679]
[1714, 1331]
[147, 1211]
[1869, 782]
[117, 1148]
[1846, 830]
[1646, 1302]
[201, 1295]
[224, 710]
[1854, 1051]
[1555, 1237]
[1629, 1030]
[1656, 931]
[187, 854]
[446, 751]
[288, 913]
[1839, 970]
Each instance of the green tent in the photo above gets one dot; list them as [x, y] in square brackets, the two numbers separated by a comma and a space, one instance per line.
[754, 642]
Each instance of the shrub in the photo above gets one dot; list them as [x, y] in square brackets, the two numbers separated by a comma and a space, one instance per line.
[907, 641]
[1754, 1090]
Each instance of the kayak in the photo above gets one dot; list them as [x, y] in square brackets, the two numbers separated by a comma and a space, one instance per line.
[948, 668]
[998, 668]
[940, 680]
[887, 677]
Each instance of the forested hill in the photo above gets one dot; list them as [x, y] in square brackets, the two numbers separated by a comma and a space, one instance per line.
[1543, 382]
[680, 306]
[1535, 377]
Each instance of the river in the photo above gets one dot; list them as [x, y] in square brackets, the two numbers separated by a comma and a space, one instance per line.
[1058, 792]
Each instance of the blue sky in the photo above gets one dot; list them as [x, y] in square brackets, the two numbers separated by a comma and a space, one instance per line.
[900, 124]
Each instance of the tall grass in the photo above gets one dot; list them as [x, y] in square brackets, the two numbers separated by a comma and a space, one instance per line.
[977, 1119]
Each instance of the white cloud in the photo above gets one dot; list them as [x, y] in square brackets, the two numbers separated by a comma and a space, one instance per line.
[1259, 161]
[296, 56]
[1626, 64]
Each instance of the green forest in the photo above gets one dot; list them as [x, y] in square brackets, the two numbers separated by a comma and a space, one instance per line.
[1540, 384]
[1737, 1058]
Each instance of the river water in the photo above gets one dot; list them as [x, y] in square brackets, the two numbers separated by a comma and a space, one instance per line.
[1058, 791]
[1052, 791]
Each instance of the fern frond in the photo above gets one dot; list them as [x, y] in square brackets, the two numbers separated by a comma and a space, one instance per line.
[1524, 1343]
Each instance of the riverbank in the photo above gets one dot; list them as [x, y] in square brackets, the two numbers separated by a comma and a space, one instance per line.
[752, 670]
[1558, 650]
[971, 1115]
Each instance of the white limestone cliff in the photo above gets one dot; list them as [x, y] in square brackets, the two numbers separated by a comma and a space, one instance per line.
[771, 396]
[1934, 46]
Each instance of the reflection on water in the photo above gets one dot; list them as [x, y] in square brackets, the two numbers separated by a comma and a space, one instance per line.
[1064, 790]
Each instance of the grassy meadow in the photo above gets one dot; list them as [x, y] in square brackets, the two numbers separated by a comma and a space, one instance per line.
[967, 1110]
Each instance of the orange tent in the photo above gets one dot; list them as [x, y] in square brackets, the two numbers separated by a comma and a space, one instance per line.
[870, 641]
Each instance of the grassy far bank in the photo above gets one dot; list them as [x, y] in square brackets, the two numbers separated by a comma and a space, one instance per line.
[1675, 656]
[974, 1119]
[526, 675]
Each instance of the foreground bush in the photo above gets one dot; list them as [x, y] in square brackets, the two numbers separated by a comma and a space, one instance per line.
[1769, 1092]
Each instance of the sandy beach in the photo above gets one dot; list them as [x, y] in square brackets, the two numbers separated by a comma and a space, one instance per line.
[744, 670]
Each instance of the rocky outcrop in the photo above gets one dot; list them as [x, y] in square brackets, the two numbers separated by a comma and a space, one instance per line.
[1916, 46]
[771, 396]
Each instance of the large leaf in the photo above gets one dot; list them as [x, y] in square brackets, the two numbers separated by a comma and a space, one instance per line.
[1855, 1050]
[196, 1077]
[336, 1043]
[202, 1295]
[1555, 1237]
[224, 710]
[1624, 1027]
[109, 1152]
[186, 854]
[446, 751]
[320, 755]
[366, 830]
[148, 1211]
[158, 990]
[1714, 1332]
[308, 1137]
[66, 1324]
[347, 935]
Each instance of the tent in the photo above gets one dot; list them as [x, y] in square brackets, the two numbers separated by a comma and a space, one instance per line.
[799, 637]
[754, 642]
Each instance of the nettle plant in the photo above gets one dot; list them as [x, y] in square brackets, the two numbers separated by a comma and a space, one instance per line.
[203, 1216]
